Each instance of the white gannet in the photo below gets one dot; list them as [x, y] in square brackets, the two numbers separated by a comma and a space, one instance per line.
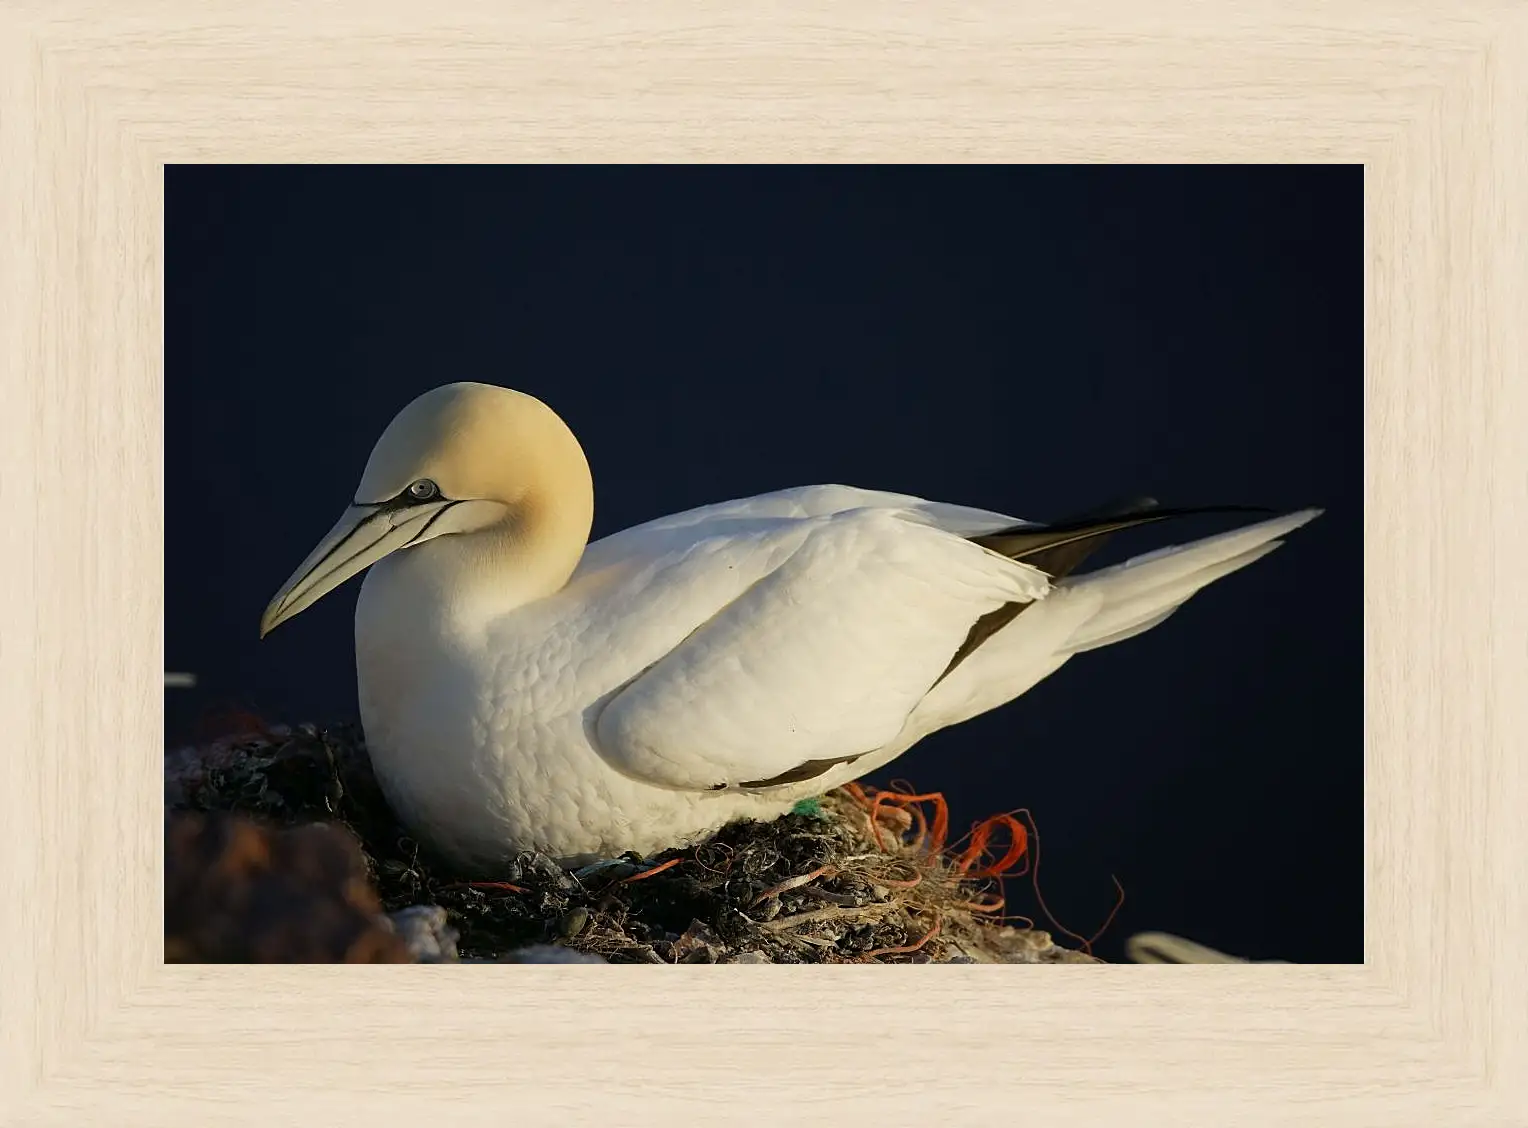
[522, 689]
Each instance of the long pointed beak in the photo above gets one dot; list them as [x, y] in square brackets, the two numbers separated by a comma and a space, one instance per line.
[361, 537]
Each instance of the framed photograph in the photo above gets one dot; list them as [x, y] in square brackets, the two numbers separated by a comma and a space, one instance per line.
[1005, 263]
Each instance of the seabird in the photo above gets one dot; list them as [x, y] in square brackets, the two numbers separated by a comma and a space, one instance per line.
[522, 689]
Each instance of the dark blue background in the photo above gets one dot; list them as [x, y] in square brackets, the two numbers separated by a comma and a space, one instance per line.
[1032, 340]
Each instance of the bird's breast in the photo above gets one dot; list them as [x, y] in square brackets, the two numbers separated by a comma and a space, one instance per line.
[476, 724]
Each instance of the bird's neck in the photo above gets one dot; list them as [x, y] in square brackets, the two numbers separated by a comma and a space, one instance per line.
[529, 556]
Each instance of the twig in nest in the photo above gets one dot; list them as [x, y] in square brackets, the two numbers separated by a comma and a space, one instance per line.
[649, 872]
[815, 941]
[500, 885]
[938, 924]
[818, 915]
[791, 883]
[893, 883]
[991, 906]
[834, 898]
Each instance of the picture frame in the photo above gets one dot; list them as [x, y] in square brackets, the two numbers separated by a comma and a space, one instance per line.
[96, 98]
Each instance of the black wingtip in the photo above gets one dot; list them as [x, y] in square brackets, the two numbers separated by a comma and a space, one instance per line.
[1059, 547]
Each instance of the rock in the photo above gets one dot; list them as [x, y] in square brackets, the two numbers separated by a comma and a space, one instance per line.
[426, 932]
[236, 891]
[573, 922]
[698, 945]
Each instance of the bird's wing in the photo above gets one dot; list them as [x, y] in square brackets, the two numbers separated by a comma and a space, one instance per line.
[798, 502]
[831, 631]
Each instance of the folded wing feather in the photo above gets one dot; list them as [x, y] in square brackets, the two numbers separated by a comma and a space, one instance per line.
[821, 659]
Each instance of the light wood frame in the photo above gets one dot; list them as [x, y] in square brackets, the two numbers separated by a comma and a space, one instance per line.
[1431, 96]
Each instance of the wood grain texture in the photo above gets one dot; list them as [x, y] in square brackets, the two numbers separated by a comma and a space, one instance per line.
[1432, 96]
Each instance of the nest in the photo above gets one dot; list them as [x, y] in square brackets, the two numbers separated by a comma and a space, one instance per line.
[859, 876]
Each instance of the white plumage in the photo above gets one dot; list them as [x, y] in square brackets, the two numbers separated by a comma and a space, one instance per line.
[522, 691]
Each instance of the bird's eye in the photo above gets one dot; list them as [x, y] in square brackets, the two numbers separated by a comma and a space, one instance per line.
[424, 490]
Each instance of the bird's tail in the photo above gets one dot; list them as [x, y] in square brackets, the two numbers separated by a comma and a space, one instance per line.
[1140, 593]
